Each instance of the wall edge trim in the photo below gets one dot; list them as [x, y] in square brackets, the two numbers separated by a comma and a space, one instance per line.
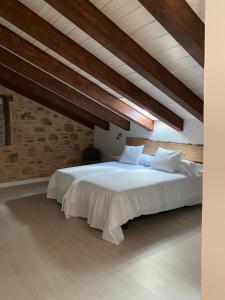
[22, 182]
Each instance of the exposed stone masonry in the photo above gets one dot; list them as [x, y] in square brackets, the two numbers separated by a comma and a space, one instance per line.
[42, 141]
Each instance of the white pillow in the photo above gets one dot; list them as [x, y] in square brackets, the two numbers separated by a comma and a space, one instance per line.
[190, 168]
[167, 160]
[131, 154]
[146, 160]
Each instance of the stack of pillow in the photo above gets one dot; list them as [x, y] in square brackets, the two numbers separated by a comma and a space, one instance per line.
[163, 160]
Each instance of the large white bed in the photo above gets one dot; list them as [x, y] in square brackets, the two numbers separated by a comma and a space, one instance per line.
[110, 194]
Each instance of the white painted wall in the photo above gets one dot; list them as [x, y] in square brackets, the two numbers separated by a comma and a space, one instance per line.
[106, 140]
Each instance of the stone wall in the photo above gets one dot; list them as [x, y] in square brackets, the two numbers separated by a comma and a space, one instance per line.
[42, 141]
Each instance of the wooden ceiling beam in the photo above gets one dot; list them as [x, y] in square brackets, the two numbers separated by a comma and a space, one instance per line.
[35, 92]
[27, 70]
[88, 18]
[22, 17]
[181, 22]
[46, 62]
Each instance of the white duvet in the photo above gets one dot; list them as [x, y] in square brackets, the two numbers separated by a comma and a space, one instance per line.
[110, 194]
[62, 179]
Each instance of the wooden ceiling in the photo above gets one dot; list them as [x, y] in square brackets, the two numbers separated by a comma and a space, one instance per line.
[182, 23]
[110, 58]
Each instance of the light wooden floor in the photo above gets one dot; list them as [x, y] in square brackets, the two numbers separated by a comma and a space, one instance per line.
[43, 256]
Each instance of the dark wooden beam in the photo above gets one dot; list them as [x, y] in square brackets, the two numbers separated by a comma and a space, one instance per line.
[24, 68]
[22, 17]
[182, 23]
[6, 99]
[35, 92]
[36, 56]
[86, 16]
[22, 91]
[29, 89]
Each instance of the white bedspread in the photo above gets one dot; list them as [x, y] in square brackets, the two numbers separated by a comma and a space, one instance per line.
[110, 197]
[62, 179]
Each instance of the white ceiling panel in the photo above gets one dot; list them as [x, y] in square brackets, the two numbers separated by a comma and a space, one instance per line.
[64, 25]
[49, 13]
[133, 21]
[164, 42]
[101, 3]
[34, 5]
[78, 35]
[119, 9]
[149, 32]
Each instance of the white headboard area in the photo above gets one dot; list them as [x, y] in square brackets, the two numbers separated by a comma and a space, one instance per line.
[191, 152]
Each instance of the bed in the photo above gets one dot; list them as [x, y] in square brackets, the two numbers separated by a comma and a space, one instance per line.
[110, 194]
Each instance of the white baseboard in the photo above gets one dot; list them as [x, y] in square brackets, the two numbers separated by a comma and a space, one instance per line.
[22, 182]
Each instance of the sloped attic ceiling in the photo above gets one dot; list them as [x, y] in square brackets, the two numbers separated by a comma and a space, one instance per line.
[140, 25]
